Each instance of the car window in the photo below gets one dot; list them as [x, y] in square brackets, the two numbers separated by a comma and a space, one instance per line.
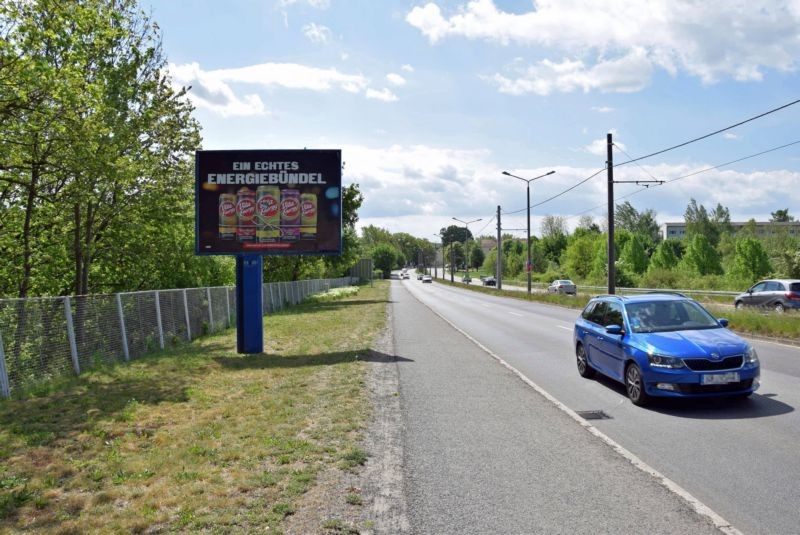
[662, 316]
[614, 315]
[760, 287]
[794, 286]
[597, 313]
[588, 310]
[774, 286]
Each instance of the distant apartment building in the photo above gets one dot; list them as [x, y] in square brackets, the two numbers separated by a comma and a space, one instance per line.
[763, 228]
[487, 244]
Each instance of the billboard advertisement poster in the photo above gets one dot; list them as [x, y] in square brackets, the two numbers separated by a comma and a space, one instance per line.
[270, 202]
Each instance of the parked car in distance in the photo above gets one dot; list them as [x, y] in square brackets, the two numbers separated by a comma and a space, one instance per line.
[427, 278]
[489, 281]
[419, 276]
[777, 294]
[663, 345]
[562, 286]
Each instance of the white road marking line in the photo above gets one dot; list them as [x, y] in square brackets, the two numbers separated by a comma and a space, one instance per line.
[565, 328]
[515, 313]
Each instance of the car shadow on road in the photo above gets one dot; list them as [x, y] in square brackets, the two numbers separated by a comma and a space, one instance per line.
[759, 405]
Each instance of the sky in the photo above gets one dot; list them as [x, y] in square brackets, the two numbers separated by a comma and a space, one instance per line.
[431, 101]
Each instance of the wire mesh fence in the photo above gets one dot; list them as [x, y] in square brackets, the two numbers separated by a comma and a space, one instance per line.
[42, 339]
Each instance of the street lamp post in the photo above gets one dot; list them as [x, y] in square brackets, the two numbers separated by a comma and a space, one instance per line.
[435, 257]
[466, 234]
[528, 181]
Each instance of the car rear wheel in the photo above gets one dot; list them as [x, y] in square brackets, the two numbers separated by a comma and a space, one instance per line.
[634, 385]
[584, 369]
[778, 308]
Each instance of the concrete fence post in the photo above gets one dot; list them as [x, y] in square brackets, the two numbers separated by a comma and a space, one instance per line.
[123, 333]
[228, 306]
[5, 390]
[210, 312]
[186, 312]
[73, 347]
[158, 321]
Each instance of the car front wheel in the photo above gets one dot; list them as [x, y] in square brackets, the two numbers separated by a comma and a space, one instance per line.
[739, 305]
[584, 369]
[634, 385]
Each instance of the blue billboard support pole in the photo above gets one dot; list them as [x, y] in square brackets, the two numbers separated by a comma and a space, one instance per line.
[249, 317]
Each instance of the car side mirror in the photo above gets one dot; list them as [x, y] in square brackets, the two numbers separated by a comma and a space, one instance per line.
[723, 321]
[614, 329]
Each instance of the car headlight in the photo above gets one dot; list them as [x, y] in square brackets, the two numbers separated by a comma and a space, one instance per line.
[660, 361]
[750, 356]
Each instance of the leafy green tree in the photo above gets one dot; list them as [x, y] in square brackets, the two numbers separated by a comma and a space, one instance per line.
[577, 258]
[643, 223]
[476, 255]
[701, 257]
[751, 262]
[454, 233]
[384, 257]
[633, 256]
[781, 216]
[664, 257]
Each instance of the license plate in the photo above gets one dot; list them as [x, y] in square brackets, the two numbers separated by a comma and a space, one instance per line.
[720, 378]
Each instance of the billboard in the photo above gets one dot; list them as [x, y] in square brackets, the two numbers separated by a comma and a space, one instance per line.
[271, 202]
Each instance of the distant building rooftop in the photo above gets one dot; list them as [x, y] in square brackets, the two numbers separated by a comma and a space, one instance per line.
[763, 228]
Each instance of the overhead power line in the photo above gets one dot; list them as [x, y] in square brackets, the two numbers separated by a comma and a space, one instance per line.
[773, 149]
[710, 134]
[557, 195]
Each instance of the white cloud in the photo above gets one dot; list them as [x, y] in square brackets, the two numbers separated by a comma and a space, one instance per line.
[395, 79]
[208, 91]
[407, 68]
[624, 75]
[319, 4]
[384, 94]
[698, 38]
[215, 89]
[417, 189]
[316, 33]
[602, 109]
[599, 147]
[731, 135]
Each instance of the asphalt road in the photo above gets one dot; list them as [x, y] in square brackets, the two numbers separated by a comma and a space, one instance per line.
[740, 458]
[483, 452]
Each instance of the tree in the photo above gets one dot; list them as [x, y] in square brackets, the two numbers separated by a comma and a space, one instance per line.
[750, 262]
[664, 256]
[712, 226]
[454, 233]
[384, 257]
[577, 257]
[634, 257]
[476, 255]
[701, 257]
[781, 216]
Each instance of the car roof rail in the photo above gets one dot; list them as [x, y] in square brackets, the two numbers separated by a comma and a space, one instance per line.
[666, 292]
[609, 295]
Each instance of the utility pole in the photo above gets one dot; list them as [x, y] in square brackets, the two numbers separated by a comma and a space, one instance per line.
[610, 168]
[499, 267]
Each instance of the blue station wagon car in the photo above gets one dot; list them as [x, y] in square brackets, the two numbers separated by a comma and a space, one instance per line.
[663, 345]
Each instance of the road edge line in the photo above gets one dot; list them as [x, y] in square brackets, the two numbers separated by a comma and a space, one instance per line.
[699, 507]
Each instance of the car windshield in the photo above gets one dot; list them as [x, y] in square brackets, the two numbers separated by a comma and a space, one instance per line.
[662, 316]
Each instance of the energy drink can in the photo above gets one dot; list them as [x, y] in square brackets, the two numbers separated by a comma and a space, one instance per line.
[268, 214]
[227, 216]
[246, 213]
[308, 216]
[290, 215]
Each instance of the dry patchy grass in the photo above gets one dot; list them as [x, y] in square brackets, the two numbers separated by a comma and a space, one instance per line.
[198, 439]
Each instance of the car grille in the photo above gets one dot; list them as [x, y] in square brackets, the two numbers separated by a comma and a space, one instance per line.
[703, 365]
[686, 388]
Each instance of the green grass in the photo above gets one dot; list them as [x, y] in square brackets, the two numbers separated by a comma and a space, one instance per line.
[198, 438]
